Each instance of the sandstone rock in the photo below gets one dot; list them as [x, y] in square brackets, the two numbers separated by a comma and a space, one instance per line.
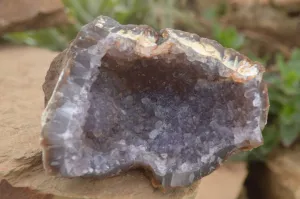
[282, 179]
[7, 191]
[243, 194]
[20, 15]
[129, 97]
[228, 180]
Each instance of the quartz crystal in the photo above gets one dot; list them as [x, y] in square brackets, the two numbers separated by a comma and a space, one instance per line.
[122, 97]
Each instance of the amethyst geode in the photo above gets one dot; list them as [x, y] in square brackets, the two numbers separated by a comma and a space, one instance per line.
[126, 96]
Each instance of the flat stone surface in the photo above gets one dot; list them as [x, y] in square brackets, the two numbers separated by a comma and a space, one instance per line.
[283, 175]
[20, 154]
[21, 15]
[170, 102]
[7, 191]
[21, 102]
[225, 183]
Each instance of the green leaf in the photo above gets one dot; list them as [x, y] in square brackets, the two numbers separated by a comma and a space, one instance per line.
[289, 134]
[228, 37]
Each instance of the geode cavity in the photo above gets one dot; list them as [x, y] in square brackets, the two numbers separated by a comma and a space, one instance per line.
[126, 96]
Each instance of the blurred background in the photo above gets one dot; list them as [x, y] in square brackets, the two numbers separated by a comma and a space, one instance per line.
[267, 31]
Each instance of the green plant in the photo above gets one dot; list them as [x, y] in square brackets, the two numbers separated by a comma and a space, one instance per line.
[284, 91]
[156, 13]
[227, 36]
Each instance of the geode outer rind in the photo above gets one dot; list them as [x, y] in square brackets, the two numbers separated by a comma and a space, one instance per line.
[126, 96]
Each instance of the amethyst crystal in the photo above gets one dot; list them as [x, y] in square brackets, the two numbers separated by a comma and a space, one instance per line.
[126, 96]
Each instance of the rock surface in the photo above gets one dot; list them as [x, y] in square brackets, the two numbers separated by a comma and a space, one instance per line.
[7, 191]
[283, 175]
[20, 153]
[20, 15]
[225, 183]
[126, 96]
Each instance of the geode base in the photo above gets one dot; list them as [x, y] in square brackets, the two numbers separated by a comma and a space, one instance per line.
[125, 96]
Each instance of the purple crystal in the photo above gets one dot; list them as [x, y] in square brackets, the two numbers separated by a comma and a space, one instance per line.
[126, 96]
